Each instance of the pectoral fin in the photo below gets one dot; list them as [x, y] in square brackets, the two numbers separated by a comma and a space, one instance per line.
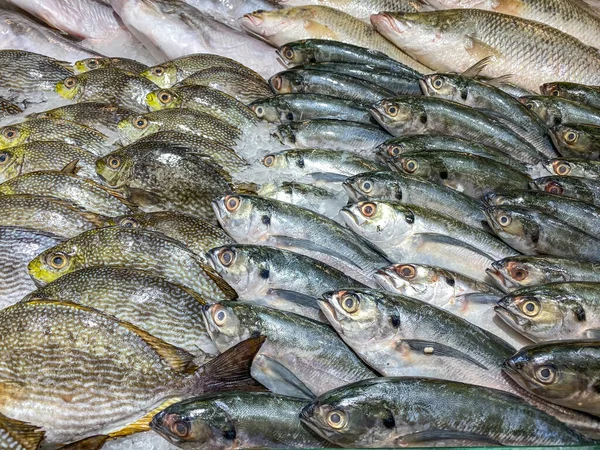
[480, 50]
[438, 349]
[279, 378]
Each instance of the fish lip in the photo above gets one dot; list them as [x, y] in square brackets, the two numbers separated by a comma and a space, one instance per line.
[498, 277]
[351, 191]
[348, 215]
[216, 208]
[390, 21]
[382, 277]
[377, 116]
[424, 87]
[508, 316]
[324, 304]
[254, 20]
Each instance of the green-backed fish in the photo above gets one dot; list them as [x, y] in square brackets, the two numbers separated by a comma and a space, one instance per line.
[8, 109]
[590, 95]
[586, 189]
[577, 141]
[128, 65]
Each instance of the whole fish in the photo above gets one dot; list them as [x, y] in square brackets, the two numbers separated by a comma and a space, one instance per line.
[136, 249]
[181, 120]
[126, 64]
[19, 246]
[454, 40]
[229, 11]
[55, 130]
[430, 115]
[277, 278]
[402, 336]
[297, 107]
[524, 271]
[250, 420]
[108, 86]
[565, 372]
[8, 109]
[555, 110]
[173, 29]
[572, 167]
[45, 155]
[321, 22]
[165, 177]
[325, 361]
[166, 310]
[535, 233]
[585, 189]
[115, 395]
[590, 95]
[407, 189]
[18, 435]
[419, 235]
[417, 412]
[239, 84]
[196, 234]
[465, 297]
[553, 311]
[257, 221]
[577, 141]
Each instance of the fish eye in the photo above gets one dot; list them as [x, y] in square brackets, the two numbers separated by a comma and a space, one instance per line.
[158, 71]
[518, 273]
[165, 97]
[287, 53]
[554, 188]
[437, 82]
[570, 137]
[259, 111]
[529, 105]
[504, 219]
[4, 157]
[368, 209]
[410, 165]
[219, 315]
[531, 307]
[181, 428]
[70, 82]
[232, 203]
[545, 374]
[114, 162]
[391, 110]
[337, 419]
[277, 82]
[561, 168]
[128, 222]
[554, 91]
[10, 133]
[394, 151]
[269, 160]
[366, 186]
[57, 260]
[407, 271]
[349, 302]
[227, 257]
[140, 123]
[92, 63]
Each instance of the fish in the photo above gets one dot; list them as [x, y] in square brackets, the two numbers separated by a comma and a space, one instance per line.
[556, 110]
[196, 234]
[562, 372]
[8, 109]
[47, 214]
[19, 435]
[577, 141]
[526, 271]
[431, 115]
[277, 278]
[572, 167]
[166, 310]
[19, 246]
[321, 22]
[406, 189]
[244, 87]
[585, 189]
[55, 129]
[410, 233]
[253, 220]
[555, 311]
[108, 85]
[126, 64]
[72, 342]
[470, 299]
[228, 420]
[456, 39]
[318, 199]
[229, 11]
[159, 176]
[45, 155]
[532, 232]
[136, 249]
[402, 336]
[325, 361]
[589, 95]
[411, 411]
[182, 120]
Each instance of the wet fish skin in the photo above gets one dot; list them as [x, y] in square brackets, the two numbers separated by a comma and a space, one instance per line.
[406, 189]
[288, 336]
[126, 64]
[257, 221]
[556, 110]
[108, 85]
[577, 141]
[387, 412]
[590, 95]
[454, 40]
[239, 415]
[8, 109]
[555, 311]
[585, 189]
[277, 278]
[535, 233]
[324, 200]
[562, 372]
[135, 248]
[572, 167]
[166, 310]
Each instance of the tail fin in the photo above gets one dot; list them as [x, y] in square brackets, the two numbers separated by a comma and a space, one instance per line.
[91, 443]
[230, 371]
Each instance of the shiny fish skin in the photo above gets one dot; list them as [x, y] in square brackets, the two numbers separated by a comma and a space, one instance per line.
[164, 309]
[324, 200]
[590, 95]
[138, 249]
[577, 141]
[556, 110]
[128, 65]
[8, 109]
[467, 36]
[585, 189]
[573, 167]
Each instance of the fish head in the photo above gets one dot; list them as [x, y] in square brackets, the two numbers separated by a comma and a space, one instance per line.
[245, 218]
[234, 264]
[15, 134]
[195, 424]
[114, 168]
[135, 127]
[365, 186]
[551, 89]
[163, 75]
[53, 263]
[560, 167]
[551, 185]
[268, 109]
[229, 323]
[296, 53]
[571, 140]
[543, 108]
[445, 86]
[11, 163]
[396, 116]
[514, 272]
[286, 82]
[163, 99]
[415, 166]
[412, 280]
[276, 160]
[515, 226]
[281, 26]
[85, 65]
[71, 88]
[378, 221]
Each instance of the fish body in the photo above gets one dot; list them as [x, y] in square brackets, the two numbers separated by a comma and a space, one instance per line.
[557, 110]
[590, 95]
[585, 189]
[325, 200]
[8, 109]
[126, 64]
[572, 167]
[577, 141]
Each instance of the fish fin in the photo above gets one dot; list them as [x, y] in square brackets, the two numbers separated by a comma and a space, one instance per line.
[481, 50]
[230, 370]
[10, 391]
[329, 177]
[592, 333]
[295, 297]
[499, 81]
[454, 435]
[72, 168]
[437, 349]
[219, 281]
[143, 423]
[475, 69]
[320, 31]
[279, 371]
[481, 298]
[290, 242]
[142, 197]
[443, 239]
[91, 443]
[28, 436]
[246, 188]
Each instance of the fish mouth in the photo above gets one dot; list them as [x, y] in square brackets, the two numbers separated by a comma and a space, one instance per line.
[388, 21]
[216, 206]
[377, 115]
[424, 87]
[352, 192]
[350, 218]
[253, 19]
[328, 310]
[498, 277]
[509, 317]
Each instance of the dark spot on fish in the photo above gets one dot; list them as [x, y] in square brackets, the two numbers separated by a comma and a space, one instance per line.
[289, 116]
[535, 235]
[389, 421]
[395, 320]
[410, 218]
[264, 273]
[464, 95]
[450, 281]
[423, 118]
[579, 313]
[300, 163]
[557, 121]
[292, 138]
[266, 220]
[255, 334]
[596, 388]
[444, 175]
[229, 434]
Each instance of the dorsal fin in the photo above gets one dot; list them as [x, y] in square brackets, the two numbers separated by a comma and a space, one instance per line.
[72, 168]
[476, 68]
